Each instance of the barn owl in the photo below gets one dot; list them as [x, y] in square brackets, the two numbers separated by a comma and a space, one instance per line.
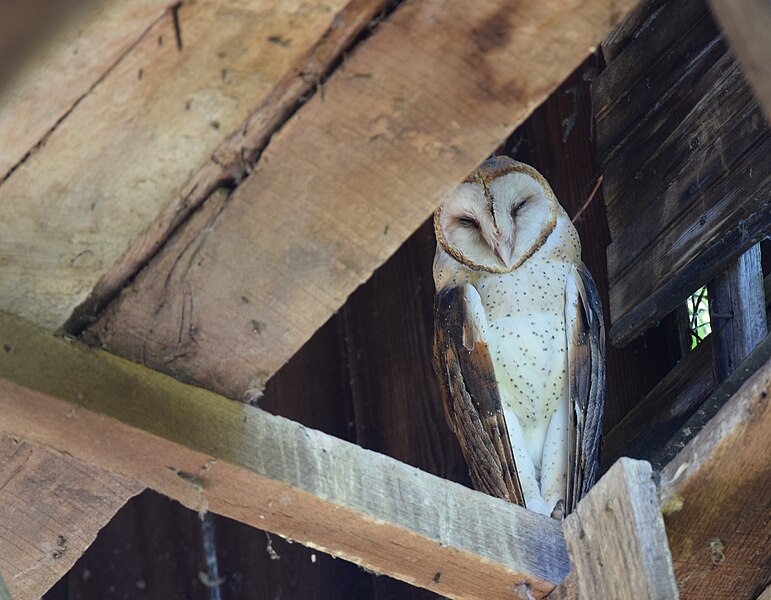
[519, 338]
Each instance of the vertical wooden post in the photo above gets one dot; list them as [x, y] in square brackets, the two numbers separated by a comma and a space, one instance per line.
[737, 312]
[616, 538]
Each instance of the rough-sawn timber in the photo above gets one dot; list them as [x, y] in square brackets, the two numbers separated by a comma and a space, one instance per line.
[214, 454]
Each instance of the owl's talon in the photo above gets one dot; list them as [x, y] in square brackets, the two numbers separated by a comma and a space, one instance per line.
[558, 512]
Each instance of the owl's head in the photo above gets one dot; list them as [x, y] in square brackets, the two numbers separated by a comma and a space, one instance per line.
[498, 217]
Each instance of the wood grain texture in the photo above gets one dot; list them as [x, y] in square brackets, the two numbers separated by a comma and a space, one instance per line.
[51, 508]
[233, 459]
[108, 169]
[737, 308]
[716, 498]
[746, 24]
[616, 538]
[682, 144]
[235, 157]
[85, 40]
[345, 181]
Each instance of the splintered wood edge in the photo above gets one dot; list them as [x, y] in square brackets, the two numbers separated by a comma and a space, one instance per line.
[214, 454]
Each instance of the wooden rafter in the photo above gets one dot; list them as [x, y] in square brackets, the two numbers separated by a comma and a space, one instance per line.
[214, 454]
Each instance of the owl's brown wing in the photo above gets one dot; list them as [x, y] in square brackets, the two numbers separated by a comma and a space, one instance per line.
[472, 403]
[586, 370]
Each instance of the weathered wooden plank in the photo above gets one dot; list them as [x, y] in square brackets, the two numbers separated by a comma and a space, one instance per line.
[107, 170]
[235, 157]
[658, 416]
[234, 459]
[716, 498]
[567, 590]
[715, 141]
[51, 508]
[616, 538]
[667, 46]
[341, 186]
[678, 132]
[677, 129]
[746, 24]
[737, 308]
[624, 32]
[83, 46]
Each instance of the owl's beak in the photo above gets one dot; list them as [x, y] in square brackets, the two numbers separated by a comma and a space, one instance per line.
[502, 248]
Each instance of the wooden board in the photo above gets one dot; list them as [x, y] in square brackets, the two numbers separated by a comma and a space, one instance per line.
[737, 308]
[48, 520]
[84, 42]
[108, 169]
[214, 454]
[683, 146]
[746, 24]
[354, 172]
[616, 538]
[716, 498]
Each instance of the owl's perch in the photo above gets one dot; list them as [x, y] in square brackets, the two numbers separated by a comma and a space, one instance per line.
[271, 472]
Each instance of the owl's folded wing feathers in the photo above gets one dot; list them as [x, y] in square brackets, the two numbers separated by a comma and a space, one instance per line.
[586, 369]
[470, 393]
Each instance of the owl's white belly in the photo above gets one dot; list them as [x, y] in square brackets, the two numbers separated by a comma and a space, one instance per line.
[526, 336]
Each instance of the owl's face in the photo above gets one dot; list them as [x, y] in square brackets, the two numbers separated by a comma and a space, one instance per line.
[498, 217]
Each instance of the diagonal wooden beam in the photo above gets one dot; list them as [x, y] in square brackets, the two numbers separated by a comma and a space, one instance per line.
[214, 454]
[250, 277]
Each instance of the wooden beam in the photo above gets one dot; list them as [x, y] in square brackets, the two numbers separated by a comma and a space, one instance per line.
[357, 169]
[737, 308]
[51, 508]
[73, 206]
[214, 454]
[616, 538]
[716, 498]
[746, 24]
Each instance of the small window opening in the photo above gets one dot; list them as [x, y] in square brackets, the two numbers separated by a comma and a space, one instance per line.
[698, 316]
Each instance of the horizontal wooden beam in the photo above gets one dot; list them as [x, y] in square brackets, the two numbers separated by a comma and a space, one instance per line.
[214, 454]
[716, 498]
